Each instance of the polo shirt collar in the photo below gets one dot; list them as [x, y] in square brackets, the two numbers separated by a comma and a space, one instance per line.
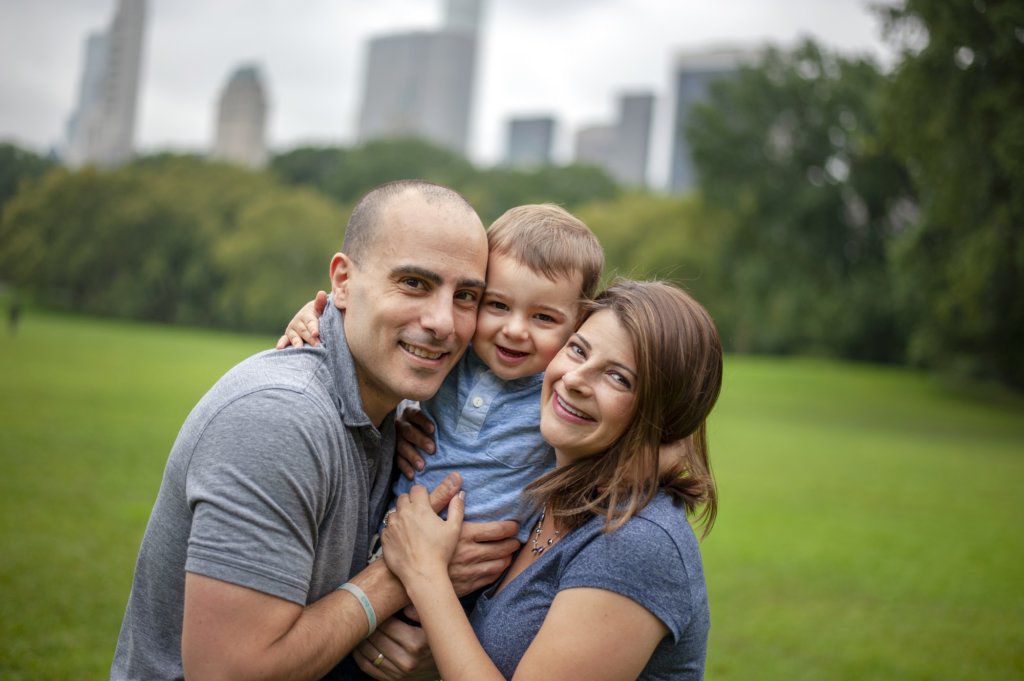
[346, 383]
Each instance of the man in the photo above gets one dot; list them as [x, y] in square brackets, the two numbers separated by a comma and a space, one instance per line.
[279, 476]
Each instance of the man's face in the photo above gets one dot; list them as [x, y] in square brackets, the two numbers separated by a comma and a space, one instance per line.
[410, 301]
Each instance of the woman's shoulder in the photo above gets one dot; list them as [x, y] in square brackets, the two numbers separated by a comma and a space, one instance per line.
[652, 559]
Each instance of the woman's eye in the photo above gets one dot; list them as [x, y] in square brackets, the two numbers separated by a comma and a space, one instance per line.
[619, 378]
[575, 349]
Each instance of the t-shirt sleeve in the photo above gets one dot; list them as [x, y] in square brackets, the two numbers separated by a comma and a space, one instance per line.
[641, 562]
[257, 485]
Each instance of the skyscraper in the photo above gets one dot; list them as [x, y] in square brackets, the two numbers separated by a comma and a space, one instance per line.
[240, 135]
[420, 84]
[102, 128]
[694, 73]
[529, 141]
[633, 137]
[621, 147]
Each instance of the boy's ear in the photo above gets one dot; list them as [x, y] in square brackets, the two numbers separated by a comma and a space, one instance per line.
[341, 274]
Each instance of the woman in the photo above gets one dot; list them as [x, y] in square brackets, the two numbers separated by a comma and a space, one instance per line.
[611, 584]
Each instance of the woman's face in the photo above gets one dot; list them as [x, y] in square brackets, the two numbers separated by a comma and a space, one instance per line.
[589, 392]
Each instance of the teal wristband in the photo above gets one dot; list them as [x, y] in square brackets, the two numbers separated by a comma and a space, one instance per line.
[363, 601]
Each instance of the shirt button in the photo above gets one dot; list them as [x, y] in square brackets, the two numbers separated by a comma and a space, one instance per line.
[478, 402]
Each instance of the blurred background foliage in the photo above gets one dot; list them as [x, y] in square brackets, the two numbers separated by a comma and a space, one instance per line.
[842, 210]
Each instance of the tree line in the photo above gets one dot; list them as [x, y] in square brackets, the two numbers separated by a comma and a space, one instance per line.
[841, 210]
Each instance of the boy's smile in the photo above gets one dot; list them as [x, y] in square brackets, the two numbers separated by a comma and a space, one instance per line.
[525, 318]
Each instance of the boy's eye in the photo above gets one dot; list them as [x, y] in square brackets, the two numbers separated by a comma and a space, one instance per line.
[546, 318]
[498, 305]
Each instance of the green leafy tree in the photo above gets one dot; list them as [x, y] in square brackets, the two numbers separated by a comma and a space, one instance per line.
[18, 165]
[346, 174]
[955, 109]
[788, 153]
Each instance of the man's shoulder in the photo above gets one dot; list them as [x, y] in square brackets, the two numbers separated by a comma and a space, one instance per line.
[298, 377]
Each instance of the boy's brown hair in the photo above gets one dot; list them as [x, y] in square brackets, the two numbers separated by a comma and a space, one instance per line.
[550, 241]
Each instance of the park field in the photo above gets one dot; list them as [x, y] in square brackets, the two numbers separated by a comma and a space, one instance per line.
[870, 524]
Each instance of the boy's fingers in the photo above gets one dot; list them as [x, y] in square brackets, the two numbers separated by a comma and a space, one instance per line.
[282, 342]
[320, 302]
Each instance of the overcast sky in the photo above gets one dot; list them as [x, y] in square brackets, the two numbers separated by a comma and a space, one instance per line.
[567, 57]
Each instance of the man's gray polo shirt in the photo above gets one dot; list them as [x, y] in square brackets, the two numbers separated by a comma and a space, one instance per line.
[276, 482]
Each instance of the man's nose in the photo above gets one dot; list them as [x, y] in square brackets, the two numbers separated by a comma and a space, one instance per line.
[438, 317]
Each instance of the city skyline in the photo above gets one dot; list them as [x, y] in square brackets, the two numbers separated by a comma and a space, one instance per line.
[569, 59]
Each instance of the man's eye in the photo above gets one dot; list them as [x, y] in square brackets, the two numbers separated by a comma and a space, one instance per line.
[467, 296]
[413, 282]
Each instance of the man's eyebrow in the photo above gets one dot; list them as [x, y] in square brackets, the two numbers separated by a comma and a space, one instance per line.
[472, 283]
[433, 277]
[421, 272]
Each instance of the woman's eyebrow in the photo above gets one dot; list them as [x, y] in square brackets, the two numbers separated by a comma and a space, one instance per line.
[583, 341]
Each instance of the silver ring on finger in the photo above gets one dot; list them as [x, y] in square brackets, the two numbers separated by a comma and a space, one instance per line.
[387, 517]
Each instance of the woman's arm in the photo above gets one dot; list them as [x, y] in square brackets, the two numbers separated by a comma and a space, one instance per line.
[417, 547]
[581, 637]
[591, 634]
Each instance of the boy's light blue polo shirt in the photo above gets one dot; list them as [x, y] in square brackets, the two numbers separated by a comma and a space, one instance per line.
[488, 430]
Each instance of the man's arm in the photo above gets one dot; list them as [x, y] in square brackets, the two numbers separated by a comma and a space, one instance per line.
[231, 632]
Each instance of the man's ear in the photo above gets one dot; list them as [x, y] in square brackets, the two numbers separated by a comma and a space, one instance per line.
[341, 273]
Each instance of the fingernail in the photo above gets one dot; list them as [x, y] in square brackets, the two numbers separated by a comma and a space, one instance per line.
[419, 466]
[462, 494]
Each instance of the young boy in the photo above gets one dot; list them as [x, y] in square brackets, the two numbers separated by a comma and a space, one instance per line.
[543, 264]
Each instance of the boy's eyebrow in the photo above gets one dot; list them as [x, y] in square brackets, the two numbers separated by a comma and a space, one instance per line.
[552, 308]
[433, 277]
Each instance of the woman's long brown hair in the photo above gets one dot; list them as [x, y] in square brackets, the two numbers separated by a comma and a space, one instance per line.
[679, 376]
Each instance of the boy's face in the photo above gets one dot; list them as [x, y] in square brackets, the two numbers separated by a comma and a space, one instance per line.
[525, 318]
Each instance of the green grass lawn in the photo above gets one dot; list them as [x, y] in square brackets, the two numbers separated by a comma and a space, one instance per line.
[870, 522]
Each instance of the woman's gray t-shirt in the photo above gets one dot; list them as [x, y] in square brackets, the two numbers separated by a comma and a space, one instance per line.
[653, 559]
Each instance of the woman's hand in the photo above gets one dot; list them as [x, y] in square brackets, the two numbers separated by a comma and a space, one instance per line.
[418, 544]
[305, 325]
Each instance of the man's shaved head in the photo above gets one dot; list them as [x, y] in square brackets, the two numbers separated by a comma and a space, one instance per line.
[365, 219]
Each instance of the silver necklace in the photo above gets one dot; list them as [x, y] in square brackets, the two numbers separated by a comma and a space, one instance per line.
[536, 547]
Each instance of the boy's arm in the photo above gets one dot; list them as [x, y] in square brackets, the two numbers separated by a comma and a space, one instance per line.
[304, 328]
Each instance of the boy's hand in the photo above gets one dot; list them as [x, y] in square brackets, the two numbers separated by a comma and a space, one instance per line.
[305, 325]
[415, 432]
